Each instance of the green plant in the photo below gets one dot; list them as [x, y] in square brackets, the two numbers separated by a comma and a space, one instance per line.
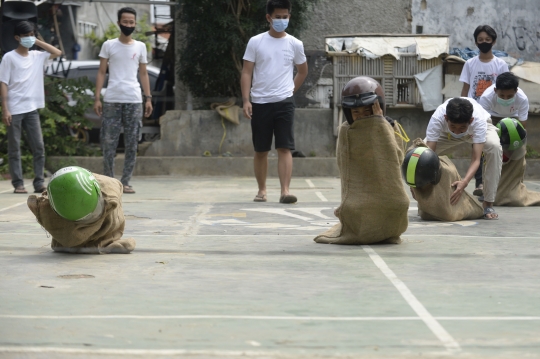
[312, 154]
[66, 102]
[217, 33]
[113, 32]
[531, 153]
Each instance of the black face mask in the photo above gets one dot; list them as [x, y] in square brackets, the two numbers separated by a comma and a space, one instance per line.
[126, 30]
[485, 46]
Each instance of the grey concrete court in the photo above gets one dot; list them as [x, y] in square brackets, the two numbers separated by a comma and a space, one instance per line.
[215, 275]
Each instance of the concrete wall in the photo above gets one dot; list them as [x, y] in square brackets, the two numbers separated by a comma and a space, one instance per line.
[329, 17]
[516, 23]
[190, 133]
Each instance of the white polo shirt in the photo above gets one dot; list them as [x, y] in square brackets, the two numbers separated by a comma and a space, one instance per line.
[438, 126]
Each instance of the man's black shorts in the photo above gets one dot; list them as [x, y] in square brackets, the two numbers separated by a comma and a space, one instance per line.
[273, 119]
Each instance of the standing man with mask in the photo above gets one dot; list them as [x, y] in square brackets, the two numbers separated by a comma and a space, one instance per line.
[22, 91]
[267, 76]
[478, 74]
[122, 106]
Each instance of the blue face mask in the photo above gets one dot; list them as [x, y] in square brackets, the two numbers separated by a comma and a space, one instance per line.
[280, 24]
[455, 135]
[505, 103]
[28, 41]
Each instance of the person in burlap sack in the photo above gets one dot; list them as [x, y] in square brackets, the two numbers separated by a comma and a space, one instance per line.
[83, 213]
[432, 180]
[374, 205]
[512, 191]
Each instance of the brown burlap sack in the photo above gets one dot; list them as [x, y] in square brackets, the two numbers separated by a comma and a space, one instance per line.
[102, 236]
[374, 204]
[228, 110]
[512, 191]
[434, 200]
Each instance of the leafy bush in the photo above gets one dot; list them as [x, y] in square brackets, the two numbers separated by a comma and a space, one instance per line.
[216, 38]
[59, 119]
[113, 32]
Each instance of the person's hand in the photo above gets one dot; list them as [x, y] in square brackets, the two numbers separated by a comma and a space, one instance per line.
[98, 108]
[248, 109]
[6, 117]
[377, 111]
[460, 187]
[147, 108]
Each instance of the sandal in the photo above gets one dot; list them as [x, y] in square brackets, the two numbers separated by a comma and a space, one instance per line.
[20, 190]
[128, 189]
[479, 191]
[488, 211]
[288, 199]
[260, 198]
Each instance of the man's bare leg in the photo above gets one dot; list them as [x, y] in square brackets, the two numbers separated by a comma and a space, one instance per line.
[285, 164]
[260, 165]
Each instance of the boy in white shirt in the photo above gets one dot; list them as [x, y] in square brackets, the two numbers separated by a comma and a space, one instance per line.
[22, 91]
[460, 120]
[267, 75]
[123, 108]
[506, 99]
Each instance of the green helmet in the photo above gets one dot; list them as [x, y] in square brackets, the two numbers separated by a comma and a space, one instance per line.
[75, 194]
[512, 134]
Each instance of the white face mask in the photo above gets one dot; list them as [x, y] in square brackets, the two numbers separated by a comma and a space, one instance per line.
[455, 135]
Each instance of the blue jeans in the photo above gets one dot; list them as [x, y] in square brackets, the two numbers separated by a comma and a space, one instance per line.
[32, 127]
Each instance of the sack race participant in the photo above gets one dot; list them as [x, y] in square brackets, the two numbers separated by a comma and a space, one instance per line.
[512, 191]
[83, 212]
[431, 179]
[374, 205]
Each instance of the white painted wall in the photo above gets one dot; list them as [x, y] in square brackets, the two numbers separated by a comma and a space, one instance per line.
[517, 23]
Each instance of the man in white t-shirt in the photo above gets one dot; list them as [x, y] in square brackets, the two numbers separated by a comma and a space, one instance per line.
[506, 99]
[269, 62]
[122, 106]
[460, 120]
[22, 92]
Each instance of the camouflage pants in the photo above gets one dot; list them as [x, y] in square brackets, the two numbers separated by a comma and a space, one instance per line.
[115, 117]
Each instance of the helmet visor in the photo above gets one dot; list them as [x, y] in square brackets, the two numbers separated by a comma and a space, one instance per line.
[364, 99]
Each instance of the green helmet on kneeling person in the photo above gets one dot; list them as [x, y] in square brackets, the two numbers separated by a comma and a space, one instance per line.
[421, 166]
[75, 195]
[512, 134]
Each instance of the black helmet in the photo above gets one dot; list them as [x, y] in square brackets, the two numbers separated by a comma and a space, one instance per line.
[421, 167]
[512, 134]
[361, 91]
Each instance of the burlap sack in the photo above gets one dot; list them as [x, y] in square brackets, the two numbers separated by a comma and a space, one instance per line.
[228, 110]
[374, 204]
[102, 236]
[434, 200]
[512, 191]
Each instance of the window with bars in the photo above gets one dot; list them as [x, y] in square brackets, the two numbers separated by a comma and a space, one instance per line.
[85, 28]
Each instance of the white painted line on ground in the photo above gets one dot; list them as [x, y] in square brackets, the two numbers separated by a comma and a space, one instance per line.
[6, 191]
[261, 317]
[310, 184]
[450, 344]
[10, 207]
[195, 220]
[320, 195]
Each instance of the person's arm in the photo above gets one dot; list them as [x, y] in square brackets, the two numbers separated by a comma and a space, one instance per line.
[145, 82]
[245, 84]
[465, 90]
[473, 167]
[49, 48]
[6, 115]
[432, 145]
[301, 74]
[100, 80]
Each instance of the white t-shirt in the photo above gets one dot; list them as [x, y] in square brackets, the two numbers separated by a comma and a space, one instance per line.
[274, 60]
[124, 61]
[23, 76]
[480, 75]
[519, 109]
[438, 126]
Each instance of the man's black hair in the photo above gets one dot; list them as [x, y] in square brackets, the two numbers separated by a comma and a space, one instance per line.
[272, 5]
[459, 110]
[128, 10]
[507, 81]
[487, 29]
[24, 27]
